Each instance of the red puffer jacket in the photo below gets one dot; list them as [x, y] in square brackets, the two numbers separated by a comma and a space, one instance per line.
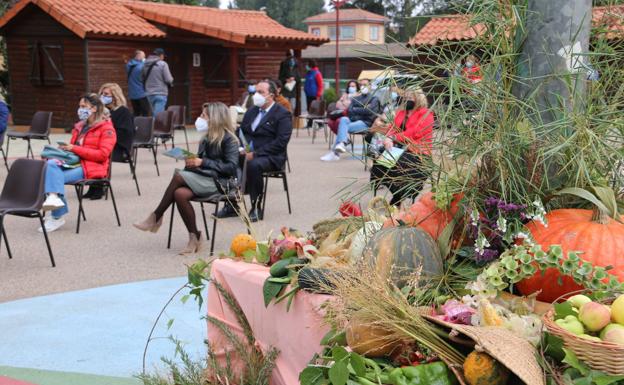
[94, 148]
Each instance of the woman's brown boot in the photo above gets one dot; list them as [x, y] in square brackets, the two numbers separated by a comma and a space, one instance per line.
[150, 224]
[194, 246]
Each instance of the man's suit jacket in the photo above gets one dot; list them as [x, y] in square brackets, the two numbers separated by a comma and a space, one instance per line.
[270, 139]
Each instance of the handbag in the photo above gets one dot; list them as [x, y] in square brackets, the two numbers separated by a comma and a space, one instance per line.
[336, 114]
[68, 158]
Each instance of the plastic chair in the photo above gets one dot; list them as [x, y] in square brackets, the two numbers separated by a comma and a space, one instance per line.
[216, 200]
[23, 195]
[364, 146]
[106, 185]
[179, 120]
[144, 138]
[277, 175]
[330, 134]
[4, 156]
[39, 129]
[164, 129]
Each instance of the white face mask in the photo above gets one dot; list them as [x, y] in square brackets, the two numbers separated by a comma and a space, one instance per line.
[364, 90]
[201, 124]
[291, 85]
[259, 100]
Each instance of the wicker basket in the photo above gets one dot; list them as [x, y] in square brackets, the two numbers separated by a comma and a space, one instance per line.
[605, 356]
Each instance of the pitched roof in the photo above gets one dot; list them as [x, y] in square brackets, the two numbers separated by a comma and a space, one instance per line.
[83, 17]
[346, 51]
[231, 25]
[135, 18]
[354, 14]
[457, 27]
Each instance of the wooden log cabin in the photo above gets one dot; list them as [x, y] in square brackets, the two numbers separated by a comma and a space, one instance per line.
[60, 49]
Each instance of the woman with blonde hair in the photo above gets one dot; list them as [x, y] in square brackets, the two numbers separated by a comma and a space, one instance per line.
[216, 163]
[412, 130]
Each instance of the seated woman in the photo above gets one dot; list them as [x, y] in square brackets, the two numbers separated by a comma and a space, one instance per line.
[112, 97]
[93, 139]
[216, 163]
[343, 104]
[411, 130]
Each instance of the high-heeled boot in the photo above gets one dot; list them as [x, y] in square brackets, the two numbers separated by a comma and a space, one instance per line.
[150, 224]
[194, 246]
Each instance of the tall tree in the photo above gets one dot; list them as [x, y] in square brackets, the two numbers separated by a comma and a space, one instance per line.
[288, 13]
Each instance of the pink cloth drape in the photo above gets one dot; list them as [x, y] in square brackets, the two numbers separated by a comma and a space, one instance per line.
[296, 333]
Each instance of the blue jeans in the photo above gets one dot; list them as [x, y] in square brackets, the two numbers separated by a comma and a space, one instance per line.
[158, 103]
[346, 127]
[55, 180]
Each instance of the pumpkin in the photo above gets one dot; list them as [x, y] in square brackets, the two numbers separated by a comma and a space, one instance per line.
[425, 214]
[599, 238]
[241, 243]
[482, 369]
[399, 251]
[369, 340]
[361, 238]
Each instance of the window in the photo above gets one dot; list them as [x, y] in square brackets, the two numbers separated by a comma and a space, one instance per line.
[347, 32]
[217, 70]
[46, 64]
[374, 32]
[316, 31]
[329, 70]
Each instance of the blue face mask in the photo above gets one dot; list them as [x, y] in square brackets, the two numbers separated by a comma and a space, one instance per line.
[84, 113]
[352, 90]
[106, 100]
[251, 89]
[395, 96]
[308, 68]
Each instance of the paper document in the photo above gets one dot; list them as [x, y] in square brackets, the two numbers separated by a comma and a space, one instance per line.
[389, 158]
[179, 154]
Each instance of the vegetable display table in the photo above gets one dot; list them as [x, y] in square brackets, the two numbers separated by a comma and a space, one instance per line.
[296, 333]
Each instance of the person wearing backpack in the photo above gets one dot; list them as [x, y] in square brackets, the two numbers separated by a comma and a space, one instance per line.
[136, 89]
[157, 80]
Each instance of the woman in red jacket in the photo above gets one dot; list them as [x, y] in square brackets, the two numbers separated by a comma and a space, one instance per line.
[93, 139]
[411, 130]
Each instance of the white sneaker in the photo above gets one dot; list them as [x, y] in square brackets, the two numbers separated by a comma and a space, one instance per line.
[330, 157]
[340, 148]
[52, 202]
[52, 224]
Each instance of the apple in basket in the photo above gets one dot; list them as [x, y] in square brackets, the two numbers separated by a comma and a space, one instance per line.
[594, 316]
[571, 324]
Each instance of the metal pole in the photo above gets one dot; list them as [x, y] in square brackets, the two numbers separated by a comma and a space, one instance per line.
[337, 75]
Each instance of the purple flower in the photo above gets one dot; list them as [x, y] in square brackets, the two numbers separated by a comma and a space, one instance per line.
[486, 255]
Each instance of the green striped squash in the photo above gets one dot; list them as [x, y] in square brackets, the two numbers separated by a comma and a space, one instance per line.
[397, 252]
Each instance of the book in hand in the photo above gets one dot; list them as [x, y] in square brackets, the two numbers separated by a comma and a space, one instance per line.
[389, 158]
[179, 154]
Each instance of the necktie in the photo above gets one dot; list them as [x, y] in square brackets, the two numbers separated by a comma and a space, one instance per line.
[258, 119]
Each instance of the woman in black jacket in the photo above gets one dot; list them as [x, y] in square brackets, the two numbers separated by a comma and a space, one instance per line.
[113, 98]
[216, 164]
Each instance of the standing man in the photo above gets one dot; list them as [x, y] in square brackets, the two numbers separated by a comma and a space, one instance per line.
[265, 133]
[157, 80]
[136, 89]
[289, 76]
[313, 85]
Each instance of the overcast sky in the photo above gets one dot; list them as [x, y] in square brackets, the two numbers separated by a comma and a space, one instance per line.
[224, 3]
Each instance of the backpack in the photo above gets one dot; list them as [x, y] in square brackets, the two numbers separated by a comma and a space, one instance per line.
[149, 71]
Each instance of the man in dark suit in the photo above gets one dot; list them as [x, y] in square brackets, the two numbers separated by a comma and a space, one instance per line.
[265, 133]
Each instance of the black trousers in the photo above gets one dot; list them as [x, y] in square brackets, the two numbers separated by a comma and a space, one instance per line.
[309, 101]
[255, 181]
[404, 180]
[141, 107]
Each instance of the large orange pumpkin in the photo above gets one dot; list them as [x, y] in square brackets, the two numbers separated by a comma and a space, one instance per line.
[600, 238]
[425, 214]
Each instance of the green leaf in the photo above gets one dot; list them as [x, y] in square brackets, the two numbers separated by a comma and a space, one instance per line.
[311, 376]
[601, 378]
[185, 298]
[169, 323]
[563, 310]
[339, 373]
[271, 290]
[262, 256]
[582, 193]
[358, 364]
[249, 255]
[444, 240]
[328, 337]
[571, 359]
[339, 353]
[554, 347]
[606, 195]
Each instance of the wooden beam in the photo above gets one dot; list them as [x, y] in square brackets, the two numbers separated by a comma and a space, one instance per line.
[233, 75]
[297, 111]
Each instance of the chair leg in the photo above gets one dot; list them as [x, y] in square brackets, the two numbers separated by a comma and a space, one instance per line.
[110, 188]
[186, 139]
[314, 128]
[79, 190]
[170, 225]
[288, 162]
[6, 164]
[8, 143]
[133, 172]
[154, 149]
[47, 240]
[29, 150]
[201, 204]
[48, 138]
[214, 228]
[3, 235]
[287, 193]
[264, 194]
[325, 131]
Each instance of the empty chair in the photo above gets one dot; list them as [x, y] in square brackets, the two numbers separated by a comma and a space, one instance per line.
[277, 175]
[179, 121]
[163, 128]
[315, 111]
[144, 138]
[39, 129]
[23, 195]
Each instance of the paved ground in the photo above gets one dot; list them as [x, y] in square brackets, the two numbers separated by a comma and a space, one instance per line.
[104, 254]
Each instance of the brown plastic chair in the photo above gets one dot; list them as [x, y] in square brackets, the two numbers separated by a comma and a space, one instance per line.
[23, 195]
[216, 200]
[179, 121]
[276, 175]
[163, 128]
[39, 129]
[315, 111]
[4, 156]
[144, 138]
[106, 185]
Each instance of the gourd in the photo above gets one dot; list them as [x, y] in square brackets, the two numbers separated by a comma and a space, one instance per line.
[599, 237]
[241, 243]
[482, 369]
[397, 252]
[361, 238]
[369, 340]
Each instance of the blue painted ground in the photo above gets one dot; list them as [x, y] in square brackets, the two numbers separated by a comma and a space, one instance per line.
[98, 331]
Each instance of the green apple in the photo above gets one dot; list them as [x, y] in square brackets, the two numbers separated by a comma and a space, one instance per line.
[617, 310]
[594, 316]
[615, 335]
[609, 327]
[579, 300]
[571, 324]
[588, 337]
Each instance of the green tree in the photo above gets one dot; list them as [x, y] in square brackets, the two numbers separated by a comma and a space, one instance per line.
[288, 13]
